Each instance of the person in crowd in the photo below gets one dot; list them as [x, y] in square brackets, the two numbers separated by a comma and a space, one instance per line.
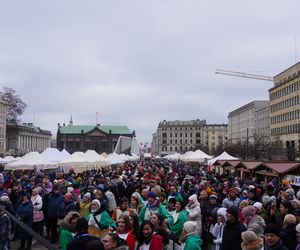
[153, 206]
[179, 218]
[189, 237]
[6, 203]
[68, 229]
[231, 239]
[125, 232]
[252, 198]
[232, 199]
[218, 229]
[111, 200]
[194, 212]
[112, 241]
[5, 229]
[82, 238]
[55, 209]
[135, 226]
[253, 221]
[25, 215]
[135, 202]
[102, 198]
[251, 241]
[162, 197]
[288, 232]
[38, 214]
[123, 209]
[298, 236]
[85, 205]
[272, 238]
[173, 192]
[148, 238]
[99, 219]
[69, 204]
[171, 206]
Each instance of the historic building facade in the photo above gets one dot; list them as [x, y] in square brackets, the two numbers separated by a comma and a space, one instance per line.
[97, 137]
[182, 136]
[23, 138]
[249, 121]
[285, 109]
[3, 114]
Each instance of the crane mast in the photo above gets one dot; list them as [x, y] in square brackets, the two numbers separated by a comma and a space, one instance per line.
[244, 75]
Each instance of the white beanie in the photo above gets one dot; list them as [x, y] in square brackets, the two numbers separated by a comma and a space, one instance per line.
[298, 228]
[88, 195]
[70, 189]
[258, 205]
[222, 212]
[298, 195]
[97, 201]
[190, 226]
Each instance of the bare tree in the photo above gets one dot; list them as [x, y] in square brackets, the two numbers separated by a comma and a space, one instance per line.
[15, 105]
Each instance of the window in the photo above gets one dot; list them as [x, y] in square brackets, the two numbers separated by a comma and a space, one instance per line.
[197, 134]
[164, 135]
[197, 141]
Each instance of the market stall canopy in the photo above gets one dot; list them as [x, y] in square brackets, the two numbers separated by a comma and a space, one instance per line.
[93, 156]
[2, 160]
[76, 159]
[175, 156]
[53, 155]
[115, 158]
[197, 156]
[30, 161]
[223, 156]
[9, 158]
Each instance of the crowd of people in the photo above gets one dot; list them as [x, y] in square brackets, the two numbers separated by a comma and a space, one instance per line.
[151, 204]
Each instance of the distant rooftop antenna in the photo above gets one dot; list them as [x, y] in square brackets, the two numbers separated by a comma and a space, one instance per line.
[97, 121]
[33, 118]
[71, 120]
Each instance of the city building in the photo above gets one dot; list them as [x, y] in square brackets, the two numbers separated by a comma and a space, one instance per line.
[23, 138]
[97, 137]
[249, 121]
[3, 113]
[181, 136]
[285, 109]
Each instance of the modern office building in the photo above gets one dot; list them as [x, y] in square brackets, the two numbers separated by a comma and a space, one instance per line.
[181, 136]
[248, 121]
[285, 109]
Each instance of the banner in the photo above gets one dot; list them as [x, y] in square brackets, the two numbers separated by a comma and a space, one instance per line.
[294, 180]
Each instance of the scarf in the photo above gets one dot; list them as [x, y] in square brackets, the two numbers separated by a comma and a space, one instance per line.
[154, 205]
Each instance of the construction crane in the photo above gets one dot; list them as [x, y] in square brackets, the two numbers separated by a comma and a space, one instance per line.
[244, 75]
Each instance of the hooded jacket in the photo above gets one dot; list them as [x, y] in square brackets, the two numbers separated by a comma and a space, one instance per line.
[257, 225]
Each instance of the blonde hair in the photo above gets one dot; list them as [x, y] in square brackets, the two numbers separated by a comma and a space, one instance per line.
[289, 219]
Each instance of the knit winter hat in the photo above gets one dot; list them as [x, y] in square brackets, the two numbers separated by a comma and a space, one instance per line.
[258, 205]
[190, 226]
[267, 200]
[137, 195]
[222, 212]
[97, 202]
[296, 201]
[272, 228]
[70, 189]
[88, 195]
[152, 195]
[68, 196]
[249, 236]
[298, 228]
[248, 211]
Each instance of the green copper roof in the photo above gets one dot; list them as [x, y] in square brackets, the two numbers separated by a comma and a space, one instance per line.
[73, 129]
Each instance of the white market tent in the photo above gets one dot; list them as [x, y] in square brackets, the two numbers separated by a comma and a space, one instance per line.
[75, 159]
[115, 158]
[9, 158]
[175, 156]
[30, 161]
[223, 156]
[147, 155]
[94, 157]
[2, 161]
[53, 155]
[65, 153]
[197, 156]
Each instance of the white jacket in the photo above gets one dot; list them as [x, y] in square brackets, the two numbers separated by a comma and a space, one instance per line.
[112, 204]
[37, 202]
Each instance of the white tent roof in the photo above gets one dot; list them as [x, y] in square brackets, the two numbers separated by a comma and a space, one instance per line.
[175, 156]
[2, 160]
[196, 156]
[115, 158]
[77, 158]
[29, 161]
[93, 156]
[223, 156]
[53, 155]
[9, 158]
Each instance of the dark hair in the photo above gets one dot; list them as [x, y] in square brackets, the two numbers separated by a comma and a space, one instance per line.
[142, 238]
[115, 238]
[124, 199]
[160, 220]
[94, 245]
[136, 225]
[127, 222]
[81, 225]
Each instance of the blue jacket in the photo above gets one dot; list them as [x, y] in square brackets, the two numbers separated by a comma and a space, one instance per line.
[55, 207]
[25, 213]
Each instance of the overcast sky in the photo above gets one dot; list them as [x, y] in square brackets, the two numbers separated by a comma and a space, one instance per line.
[140, 62]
